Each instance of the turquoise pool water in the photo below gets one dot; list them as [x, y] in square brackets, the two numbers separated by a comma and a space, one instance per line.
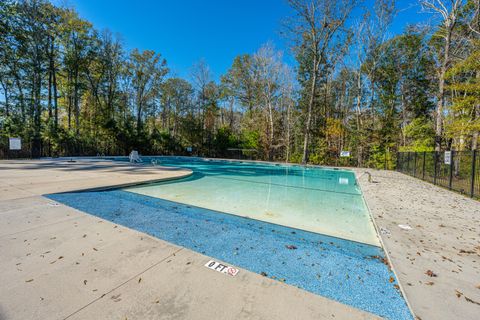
[319, 200]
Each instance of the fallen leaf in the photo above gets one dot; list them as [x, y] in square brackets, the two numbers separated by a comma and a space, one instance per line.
[458, 293]
[116, 298]
[391, 279]
[95, 249]
[430, 273]
[30, 280]
[431, 283]
[139, 280]
[85, 282]
[263, 274]
[291, 247]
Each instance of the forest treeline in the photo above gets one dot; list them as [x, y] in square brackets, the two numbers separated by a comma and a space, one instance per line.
[67, 88]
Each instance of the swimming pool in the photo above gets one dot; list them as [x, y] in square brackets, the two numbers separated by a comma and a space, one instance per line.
[285, 245]
[319, 200]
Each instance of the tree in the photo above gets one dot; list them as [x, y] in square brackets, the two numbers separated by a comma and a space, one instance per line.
[268, 75]
[147, 71]
[318, 28]
[463, 122]
[449, 12]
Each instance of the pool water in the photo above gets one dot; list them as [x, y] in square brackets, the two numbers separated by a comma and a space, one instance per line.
[319, 200]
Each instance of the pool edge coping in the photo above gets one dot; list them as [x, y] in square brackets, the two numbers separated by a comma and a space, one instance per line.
[382, 244]
[128, 184]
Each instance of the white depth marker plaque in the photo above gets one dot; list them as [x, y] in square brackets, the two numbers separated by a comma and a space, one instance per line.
[220, 267]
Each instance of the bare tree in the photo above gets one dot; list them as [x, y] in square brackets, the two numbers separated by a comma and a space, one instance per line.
[474, 21]
[148, 70]
[449, 12]
[370, 33]
[201, 77]
[318, 25]
[268, 71]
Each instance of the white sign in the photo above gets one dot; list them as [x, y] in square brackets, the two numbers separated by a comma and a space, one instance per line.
[220, 267]
[345, 154]
[15, 143]
[448, 157]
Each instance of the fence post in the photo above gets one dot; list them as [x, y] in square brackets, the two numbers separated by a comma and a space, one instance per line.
[408, 165]
[451, 170]
[415, 165]
[435, 158]
[423, 166]
[472, 186]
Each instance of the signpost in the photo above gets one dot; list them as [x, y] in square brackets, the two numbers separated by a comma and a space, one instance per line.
[344, 154]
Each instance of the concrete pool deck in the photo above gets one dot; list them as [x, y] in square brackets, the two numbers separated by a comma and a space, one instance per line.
[437, 262]
[57, 262]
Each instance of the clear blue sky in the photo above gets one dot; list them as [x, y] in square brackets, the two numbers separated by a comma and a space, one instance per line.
[185, 31]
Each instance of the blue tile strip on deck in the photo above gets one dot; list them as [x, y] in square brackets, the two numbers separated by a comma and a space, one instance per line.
[346, 271]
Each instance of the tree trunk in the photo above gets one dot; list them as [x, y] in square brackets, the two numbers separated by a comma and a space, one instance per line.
[310, 110]
[271, 133]
[476, 116]
[50, 79]
[5, 94]
[441, 86]
[21, 97]
[55, 97]
[69, 98]
[358, 114]
[139, 118]
[287, 155]
[76, 103]
[230, 123]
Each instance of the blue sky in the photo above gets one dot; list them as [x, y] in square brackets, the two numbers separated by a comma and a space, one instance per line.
[185, 31]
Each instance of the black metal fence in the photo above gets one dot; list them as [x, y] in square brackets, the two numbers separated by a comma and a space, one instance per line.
[461, 173]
